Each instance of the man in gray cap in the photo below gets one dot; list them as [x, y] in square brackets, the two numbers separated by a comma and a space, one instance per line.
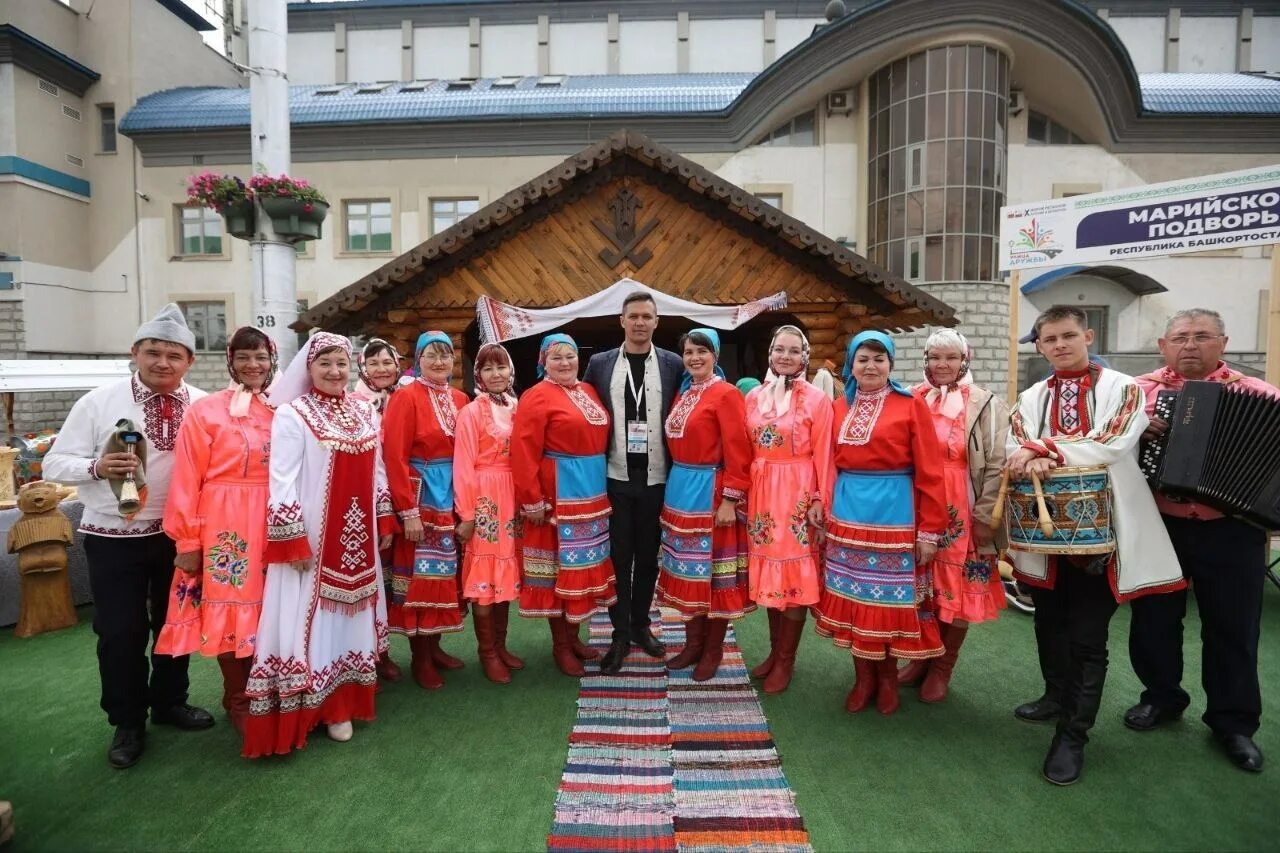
[130, 557]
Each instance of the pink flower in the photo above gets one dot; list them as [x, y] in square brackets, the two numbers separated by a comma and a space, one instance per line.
[307, 207]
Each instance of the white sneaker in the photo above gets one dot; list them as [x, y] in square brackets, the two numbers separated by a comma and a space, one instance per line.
[341, 732]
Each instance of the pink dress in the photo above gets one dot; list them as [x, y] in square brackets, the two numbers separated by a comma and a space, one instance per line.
[484, 492]
[218, 506]
[792, 465]
[966, 583]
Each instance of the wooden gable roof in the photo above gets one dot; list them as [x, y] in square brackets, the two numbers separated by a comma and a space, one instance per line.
[724, 246]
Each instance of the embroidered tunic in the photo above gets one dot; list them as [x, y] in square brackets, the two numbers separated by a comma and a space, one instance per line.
[322, 627]
[1103, 410]
[791, 466]
[558, 446]
[703, 568]
[418, 435]
[876, 600]
[484, 493]
[84, 435]
[217, 505]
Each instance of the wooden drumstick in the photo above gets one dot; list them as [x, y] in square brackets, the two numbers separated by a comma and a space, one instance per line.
[1046, 523]
[997, 512]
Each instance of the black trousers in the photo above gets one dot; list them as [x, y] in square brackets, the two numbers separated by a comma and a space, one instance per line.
[130, 579]
[1071, 623]
[1225, 560]
[634, 538]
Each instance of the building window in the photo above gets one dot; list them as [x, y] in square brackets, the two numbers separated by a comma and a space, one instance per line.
[107, 123]
[199, 231]
[771, 199]
[447, 212]
[1042, 130]
[800, 130]
[369, 225]
[937, 134]
[1096, 317]
[208, 322]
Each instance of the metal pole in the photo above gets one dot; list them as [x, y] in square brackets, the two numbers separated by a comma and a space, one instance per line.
[275, 293]
[1015, 283]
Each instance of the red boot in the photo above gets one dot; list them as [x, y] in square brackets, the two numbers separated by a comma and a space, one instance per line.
[935, 684]
[580, 649]
[487, 649]
[712, 650]
[235, 680]
[784, 661]
[387, 669]
[864, 686]
[423, 668]
[694, 630]
[887, 686]
[501, 614]
[913, 673]
[762, 669]
[562, 647]
[441, 658]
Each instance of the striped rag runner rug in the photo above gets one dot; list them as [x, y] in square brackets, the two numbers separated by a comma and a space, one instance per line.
[658, 761]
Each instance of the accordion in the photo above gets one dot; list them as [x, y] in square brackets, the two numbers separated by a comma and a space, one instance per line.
[1222, 449]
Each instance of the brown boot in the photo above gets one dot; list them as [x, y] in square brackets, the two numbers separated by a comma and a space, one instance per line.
[887, 685]
[694, 630]
[387, 669]
[864, 686]
[580, 649]
[762, 669]
[487, 649]
[423, 668]
[501, 614]
[913, 673]
[712, 650]
[935, 684]
[235, 681]
[562, 647]
[784, 661]
[441, 658]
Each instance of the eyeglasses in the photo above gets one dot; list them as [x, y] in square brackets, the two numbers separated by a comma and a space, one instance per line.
[1199, 340]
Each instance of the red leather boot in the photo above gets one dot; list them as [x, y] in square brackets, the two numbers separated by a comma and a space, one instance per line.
[501, 615]
[913, 673]
[712, 650]
[784, 661]
[580, 649]
[441, 658]
[864, 686]
[424, 669]
[487, 650]
[692, 651]
[762, 669]
[562, 647]
[887, 686]
[937, 681]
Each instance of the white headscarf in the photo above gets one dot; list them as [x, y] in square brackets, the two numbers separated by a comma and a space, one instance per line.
[296, 379]
[775, 396]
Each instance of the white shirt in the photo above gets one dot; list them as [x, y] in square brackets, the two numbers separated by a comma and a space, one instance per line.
[657, 473]
[83, 439]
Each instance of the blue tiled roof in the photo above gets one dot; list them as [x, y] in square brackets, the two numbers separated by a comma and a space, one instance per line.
[1210, 93]
[587, 96]
[577, 96]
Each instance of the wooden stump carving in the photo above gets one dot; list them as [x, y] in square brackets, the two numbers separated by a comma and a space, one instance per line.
[40, 539]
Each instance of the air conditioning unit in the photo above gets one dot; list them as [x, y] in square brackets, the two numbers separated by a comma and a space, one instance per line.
[1017, 102]
[842, 102]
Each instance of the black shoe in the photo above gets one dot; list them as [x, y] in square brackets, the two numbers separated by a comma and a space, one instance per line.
[1065, 761]
[1145, 717]
[126, 746]
[611, 663]
[649, 644]
[187, 717]
[1042, 710]
[1242, 751]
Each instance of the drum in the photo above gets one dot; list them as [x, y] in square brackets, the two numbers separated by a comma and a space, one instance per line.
[31, 450]
[1079, 503]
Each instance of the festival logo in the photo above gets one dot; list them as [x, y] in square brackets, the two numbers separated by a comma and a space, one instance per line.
[1033, 242]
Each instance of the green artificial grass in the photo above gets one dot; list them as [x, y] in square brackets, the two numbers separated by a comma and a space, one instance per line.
[476, 766]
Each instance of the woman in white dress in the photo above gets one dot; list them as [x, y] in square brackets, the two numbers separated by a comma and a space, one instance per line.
[323, 622]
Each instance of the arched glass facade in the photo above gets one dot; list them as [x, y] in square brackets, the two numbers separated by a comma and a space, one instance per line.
[936, 180]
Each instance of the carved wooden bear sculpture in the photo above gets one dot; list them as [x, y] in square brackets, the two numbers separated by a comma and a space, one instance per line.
[40, 539]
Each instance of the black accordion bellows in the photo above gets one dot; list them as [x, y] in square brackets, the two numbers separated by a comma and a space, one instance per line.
[1223, 449]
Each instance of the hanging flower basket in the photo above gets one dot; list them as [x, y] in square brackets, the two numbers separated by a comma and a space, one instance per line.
[297, 209]
[240, 219]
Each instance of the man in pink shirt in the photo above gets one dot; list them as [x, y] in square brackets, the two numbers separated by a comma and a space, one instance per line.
[1224, 559]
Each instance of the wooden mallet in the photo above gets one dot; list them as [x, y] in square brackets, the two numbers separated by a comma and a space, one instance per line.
[1046, 523]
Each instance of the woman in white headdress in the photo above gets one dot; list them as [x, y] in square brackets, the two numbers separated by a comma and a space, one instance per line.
[323, 621]
[791, 477]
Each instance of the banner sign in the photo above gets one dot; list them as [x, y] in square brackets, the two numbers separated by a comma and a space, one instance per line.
[1195, 215]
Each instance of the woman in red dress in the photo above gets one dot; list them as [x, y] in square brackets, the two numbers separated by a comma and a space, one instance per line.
[418, 432]
[558, 447]
[887, 516]
[703, 567]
